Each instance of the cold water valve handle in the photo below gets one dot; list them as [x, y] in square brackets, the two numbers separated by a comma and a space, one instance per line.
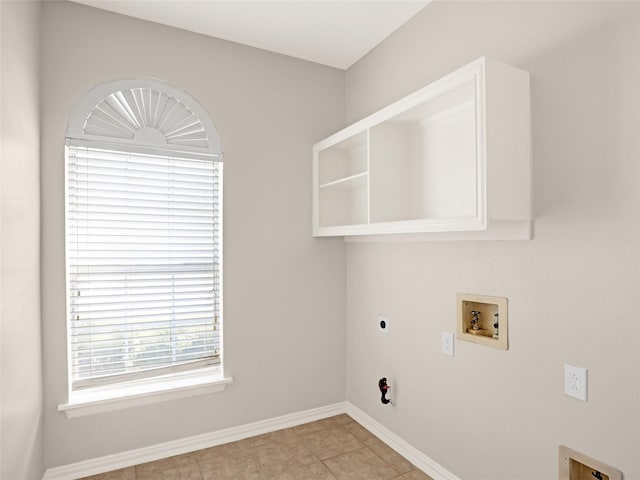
[384, 388]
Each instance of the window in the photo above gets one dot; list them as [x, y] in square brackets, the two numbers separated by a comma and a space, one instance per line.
[144, 243]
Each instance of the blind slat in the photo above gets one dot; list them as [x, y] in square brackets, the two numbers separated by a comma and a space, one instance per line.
[143, 263]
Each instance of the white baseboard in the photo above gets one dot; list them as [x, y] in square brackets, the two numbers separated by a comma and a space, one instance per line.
[190, 444]
[415, 456]
[177, 447]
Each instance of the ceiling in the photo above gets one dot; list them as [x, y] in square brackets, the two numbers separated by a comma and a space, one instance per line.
[331, 32]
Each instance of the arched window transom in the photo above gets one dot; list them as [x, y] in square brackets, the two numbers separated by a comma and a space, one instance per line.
[143, 235]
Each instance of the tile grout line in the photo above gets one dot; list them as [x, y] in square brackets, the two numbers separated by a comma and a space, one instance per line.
[363, 447]
[195, 458]
[342, 426]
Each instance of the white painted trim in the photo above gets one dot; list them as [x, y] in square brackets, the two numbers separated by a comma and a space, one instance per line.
[84, 105]
[495, 230]
[450, 112]
[140, 393]
[178, 447]
[190, 444]
[415, 456]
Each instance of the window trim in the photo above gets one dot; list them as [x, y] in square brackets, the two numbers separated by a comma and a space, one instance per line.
[147, 391]
[164, 386]
[85, 105]
[80, 200]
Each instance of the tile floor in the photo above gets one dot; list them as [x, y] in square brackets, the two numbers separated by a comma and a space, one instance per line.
[336, 448]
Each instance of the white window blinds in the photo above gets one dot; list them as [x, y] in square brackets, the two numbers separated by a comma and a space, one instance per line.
[143, 263]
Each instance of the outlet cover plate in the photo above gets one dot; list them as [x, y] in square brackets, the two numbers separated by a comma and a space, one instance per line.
[447, 343]
[575, 382]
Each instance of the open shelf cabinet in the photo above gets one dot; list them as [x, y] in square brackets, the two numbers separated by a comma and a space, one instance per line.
[453, 157]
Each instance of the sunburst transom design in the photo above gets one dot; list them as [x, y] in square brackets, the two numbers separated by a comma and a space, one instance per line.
[147, 116]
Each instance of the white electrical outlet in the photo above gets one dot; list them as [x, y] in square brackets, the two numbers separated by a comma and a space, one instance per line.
[383, 323]
[575, 382]
[447, 343]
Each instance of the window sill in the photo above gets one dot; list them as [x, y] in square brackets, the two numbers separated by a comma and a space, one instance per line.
[144, 392]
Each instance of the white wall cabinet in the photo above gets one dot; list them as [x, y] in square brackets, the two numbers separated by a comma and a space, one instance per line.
[450, 161]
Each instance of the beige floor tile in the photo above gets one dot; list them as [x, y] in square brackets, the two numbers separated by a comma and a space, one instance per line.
[227, 449]
[182, 467]
[244, 444]
[211, 454]
[275, 459]
[243, 465]
[416, 475]
[358, 431]
[349, 451]
[282, 437]
[322, 424]
[128, 473]
[315, 471]
[330, 442]
[226, 475]
[342, 419]
[389, 455]
[362, 464]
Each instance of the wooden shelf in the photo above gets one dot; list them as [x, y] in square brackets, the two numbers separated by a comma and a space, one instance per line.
[347, 182]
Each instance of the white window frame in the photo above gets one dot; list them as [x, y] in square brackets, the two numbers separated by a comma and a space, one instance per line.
[144, 115]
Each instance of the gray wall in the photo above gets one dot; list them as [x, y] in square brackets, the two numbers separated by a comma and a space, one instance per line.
[484, 413]
[21, 438]
[284, 291]
[573, 290]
